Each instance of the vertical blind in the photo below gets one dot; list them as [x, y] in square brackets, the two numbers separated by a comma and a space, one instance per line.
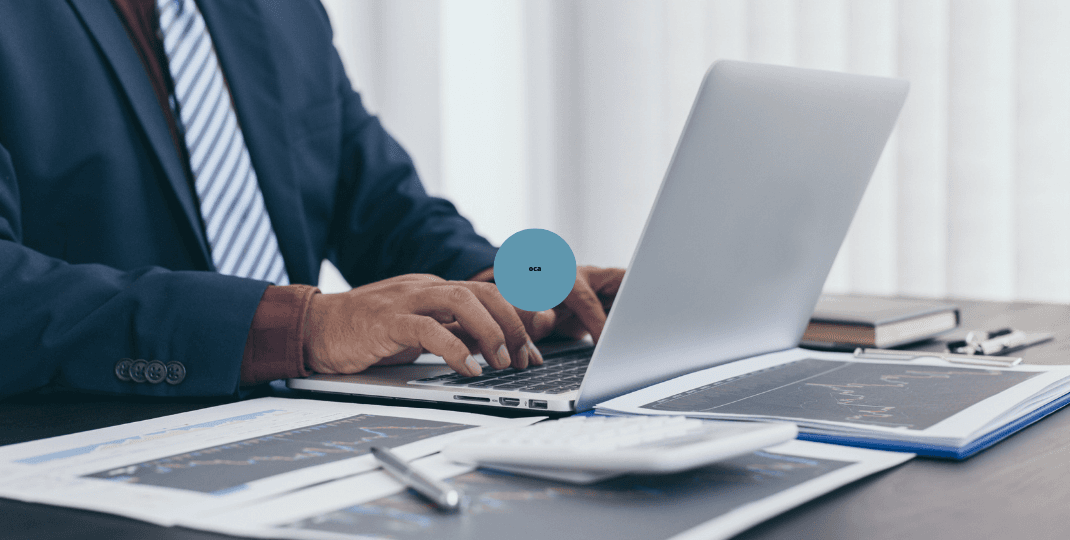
[563, 115]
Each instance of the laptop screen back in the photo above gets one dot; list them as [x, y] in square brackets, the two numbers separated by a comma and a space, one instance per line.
[757, 200]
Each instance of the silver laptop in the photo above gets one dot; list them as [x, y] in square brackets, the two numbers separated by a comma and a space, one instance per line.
[759, 194]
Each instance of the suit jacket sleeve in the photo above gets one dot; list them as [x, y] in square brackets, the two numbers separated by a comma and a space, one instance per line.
[69, 324]
[385, 222]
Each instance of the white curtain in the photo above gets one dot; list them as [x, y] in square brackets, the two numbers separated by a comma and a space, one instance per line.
[563, 114]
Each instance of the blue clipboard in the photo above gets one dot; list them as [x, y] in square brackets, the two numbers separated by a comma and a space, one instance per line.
[947, 452]
[931, 450]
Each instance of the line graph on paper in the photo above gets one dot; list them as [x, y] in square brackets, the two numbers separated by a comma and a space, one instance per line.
[894, 395]
[656, 506]
[226, 468]
[155, 436]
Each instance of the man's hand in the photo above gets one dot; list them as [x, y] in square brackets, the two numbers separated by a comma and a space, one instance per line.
[582, 312]
[394, 320]
[584, 309]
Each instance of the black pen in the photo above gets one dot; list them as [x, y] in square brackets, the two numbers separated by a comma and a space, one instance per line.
[445, 496]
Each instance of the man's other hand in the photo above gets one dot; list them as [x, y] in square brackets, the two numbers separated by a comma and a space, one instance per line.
[584, 309]
[582, 312]
[393, 321]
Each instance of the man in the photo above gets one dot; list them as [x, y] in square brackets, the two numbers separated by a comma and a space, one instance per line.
[171, 175]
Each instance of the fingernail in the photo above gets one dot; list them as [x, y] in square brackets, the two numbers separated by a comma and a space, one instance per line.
[536, 357]
[525, 355]
[473, 367]
[503, 357]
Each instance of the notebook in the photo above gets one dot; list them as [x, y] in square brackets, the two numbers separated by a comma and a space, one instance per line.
[846, 322]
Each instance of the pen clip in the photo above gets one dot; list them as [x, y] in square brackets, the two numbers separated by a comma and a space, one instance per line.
[970, 359]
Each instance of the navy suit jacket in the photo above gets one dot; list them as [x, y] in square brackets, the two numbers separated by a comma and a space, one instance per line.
[102, 252]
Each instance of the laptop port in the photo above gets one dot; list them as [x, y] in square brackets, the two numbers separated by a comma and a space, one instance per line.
[473, 398]
[536, 404]
[509, 401]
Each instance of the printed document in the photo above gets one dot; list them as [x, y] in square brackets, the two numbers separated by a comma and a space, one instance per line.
[179, 466]
[716, 501]
[926, 400]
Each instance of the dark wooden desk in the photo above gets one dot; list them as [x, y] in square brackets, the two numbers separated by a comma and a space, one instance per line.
[1018, 489]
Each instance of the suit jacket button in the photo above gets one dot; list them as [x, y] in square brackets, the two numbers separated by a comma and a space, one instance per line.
[176, 372]
[155, 372]
[137, 370]
[122, 369]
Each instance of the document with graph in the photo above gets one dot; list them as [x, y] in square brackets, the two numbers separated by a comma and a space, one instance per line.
[178, 466]
[926, 405]
[711, 502]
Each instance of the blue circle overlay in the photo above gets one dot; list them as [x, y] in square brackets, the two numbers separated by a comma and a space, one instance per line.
[535, 269]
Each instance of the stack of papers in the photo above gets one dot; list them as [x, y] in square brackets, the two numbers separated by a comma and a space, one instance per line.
[927, 405]
[178, 467]
[713, 502]
[289, 468]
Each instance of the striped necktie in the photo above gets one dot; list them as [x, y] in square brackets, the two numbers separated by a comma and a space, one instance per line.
[236, 222]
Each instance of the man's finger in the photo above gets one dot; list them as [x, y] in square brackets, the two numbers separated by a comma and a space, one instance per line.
[406, 356]
[472, 316]
[468, 340]
[584, 302]
[538, 324]
[430, 278]
[419, 331]
[521, 350]
[605, 281]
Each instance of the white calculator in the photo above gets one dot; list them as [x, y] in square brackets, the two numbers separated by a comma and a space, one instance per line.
[589, 449]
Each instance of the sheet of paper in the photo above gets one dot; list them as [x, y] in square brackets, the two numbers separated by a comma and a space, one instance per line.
[923, 399]
[717, 501]
[178, 466]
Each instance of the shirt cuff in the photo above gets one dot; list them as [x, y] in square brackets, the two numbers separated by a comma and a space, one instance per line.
[275, 346]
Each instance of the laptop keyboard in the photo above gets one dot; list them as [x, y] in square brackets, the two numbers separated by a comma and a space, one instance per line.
[559, 373]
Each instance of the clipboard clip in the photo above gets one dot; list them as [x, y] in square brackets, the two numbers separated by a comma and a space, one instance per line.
[970, 359]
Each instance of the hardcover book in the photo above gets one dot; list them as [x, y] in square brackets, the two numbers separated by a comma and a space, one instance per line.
[846, 322]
